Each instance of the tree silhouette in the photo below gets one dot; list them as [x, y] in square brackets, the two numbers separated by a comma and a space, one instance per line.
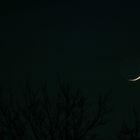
[127, 133]
[66, 117]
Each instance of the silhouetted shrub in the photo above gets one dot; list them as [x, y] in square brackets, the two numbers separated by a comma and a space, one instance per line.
[127, 133]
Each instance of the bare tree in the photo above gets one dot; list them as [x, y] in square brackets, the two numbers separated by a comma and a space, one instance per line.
[69, 117]
[12, 126]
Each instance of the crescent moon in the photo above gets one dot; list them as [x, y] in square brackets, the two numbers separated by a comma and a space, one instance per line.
[138, 78]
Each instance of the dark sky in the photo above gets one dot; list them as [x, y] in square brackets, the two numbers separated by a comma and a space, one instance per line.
[85, 42]
[88, 43]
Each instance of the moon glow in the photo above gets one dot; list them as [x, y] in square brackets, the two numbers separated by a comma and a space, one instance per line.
[130, 69]
[133, 80]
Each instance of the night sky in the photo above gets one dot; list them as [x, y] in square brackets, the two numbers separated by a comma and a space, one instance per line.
[89, 44]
